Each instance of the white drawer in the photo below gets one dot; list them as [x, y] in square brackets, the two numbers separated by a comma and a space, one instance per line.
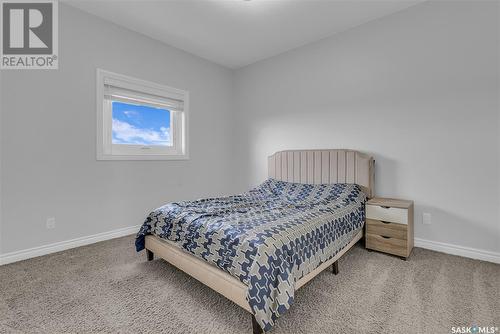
[393, 215]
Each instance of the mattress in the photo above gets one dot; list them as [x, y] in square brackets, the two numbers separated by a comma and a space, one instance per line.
[268, 237]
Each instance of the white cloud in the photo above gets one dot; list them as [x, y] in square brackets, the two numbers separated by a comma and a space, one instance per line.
[125, 133]
[131, 113]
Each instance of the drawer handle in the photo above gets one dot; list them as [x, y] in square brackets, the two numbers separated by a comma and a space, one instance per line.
[384, 222]
[385, 207]
[383, 236]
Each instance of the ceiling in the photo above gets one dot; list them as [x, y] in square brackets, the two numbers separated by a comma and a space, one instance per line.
[235, 33]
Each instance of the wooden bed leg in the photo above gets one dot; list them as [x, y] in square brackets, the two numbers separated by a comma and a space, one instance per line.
[255, 326]
[335, 267]
[150, 255]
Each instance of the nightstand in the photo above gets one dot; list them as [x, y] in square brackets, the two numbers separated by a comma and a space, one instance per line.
[389, 226]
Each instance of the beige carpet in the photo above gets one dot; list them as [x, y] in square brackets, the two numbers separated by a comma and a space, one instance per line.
[108, 288]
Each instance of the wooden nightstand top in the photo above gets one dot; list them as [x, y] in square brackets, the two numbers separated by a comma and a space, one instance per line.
[390, 202]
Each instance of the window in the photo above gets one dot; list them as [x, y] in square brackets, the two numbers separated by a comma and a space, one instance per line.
[140, 120]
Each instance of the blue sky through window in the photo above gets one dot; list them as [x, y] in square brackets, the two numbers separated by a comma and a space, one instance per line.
[140, 125]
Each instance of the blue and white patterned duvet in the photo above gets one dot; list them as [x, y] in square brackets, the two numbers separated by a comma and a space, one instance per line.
[268, 238]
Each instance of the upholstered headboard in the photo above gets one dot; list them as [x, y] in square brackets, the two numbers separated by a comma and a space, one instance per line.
[323, 166]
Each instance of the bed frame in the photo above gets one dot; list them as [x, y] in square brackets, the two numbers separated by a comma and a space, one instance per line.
[303, 166]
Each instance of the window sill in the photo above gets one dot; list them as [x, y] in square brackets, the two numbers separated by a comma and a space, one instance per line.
[141, 157]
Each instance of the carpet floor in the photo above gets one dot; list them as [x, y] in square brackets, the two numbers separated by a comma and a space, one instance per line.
[108, 288]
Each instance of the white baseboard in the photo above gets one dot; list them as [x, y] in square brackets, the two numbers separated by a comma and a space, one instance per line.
[472, 253]
[63, 245]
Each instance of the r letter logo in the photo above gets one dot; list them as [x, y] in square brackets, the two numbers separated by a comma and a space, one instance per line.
[29, 34]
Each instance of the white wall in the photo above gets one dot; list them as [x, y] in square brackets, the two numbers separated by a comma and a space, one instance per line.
[1, 163]
[49, 166]
[417, 89]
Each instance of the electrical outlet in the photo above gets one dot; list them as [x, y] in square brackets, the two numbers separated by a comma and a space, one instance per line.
[51, 223]
[426, 218]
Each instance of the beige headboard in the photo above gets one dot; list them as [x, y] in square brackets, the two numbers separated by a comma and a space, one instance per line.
[323, 166]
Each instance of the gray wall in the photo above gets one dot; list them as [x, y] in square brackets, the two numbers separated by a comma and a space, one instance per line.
[417, 89]
[49, 166]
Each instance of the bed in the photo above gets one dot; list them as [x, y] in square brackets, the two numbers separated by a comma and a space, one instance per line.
[259, 247]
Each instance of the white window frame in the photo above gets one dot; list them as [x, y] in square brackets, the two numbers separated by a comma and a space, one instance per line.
[106, 150]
